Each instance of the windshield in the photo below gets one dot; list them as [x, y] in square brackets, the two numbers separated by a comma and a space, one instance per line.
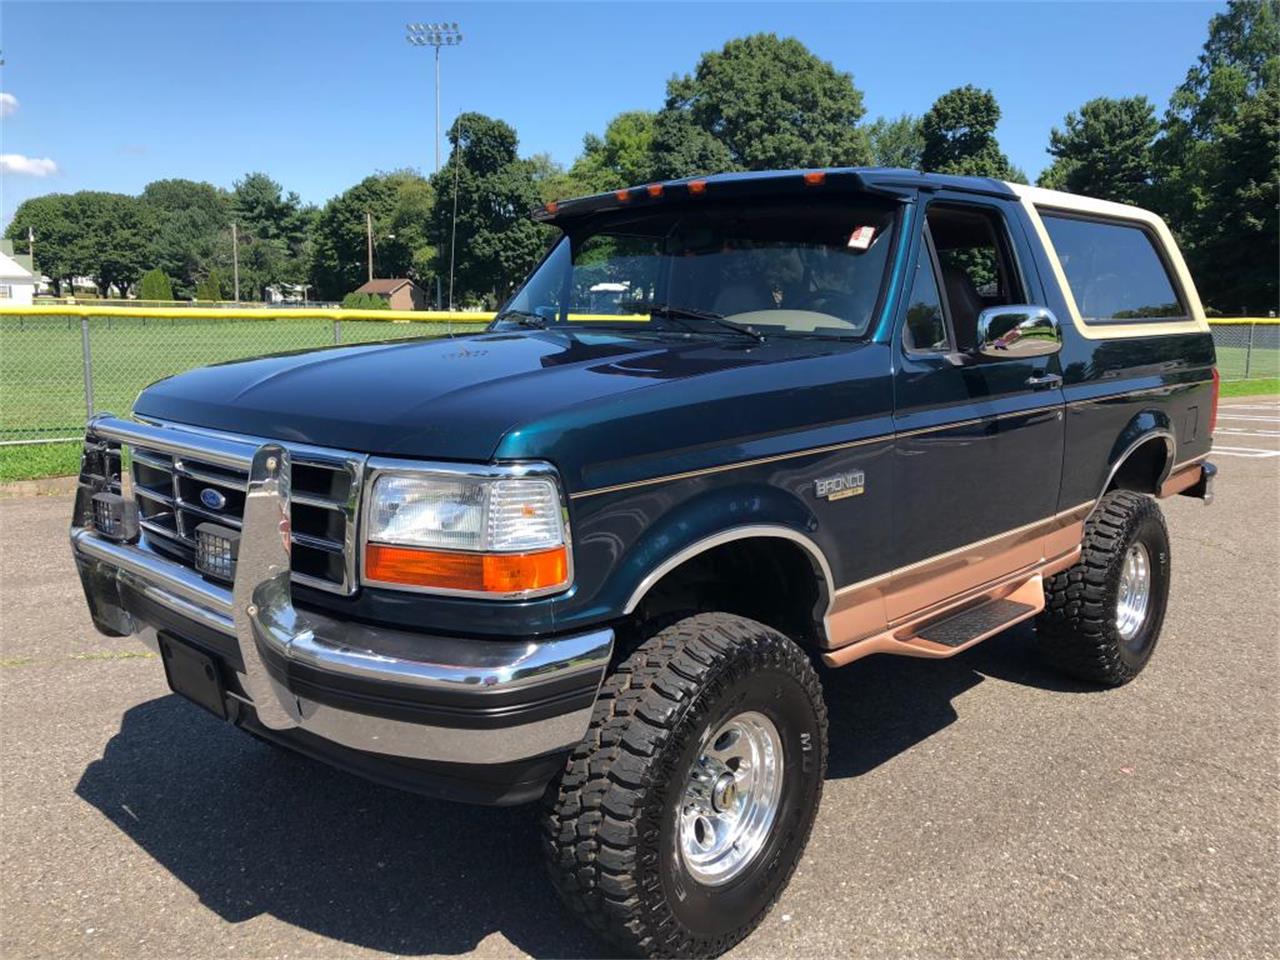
[811, 268]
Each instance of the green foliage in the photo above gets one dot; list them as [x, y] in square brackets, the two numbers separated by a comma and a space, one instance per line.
[623, 157]
[959, 135]
[365, 301]
[90, 233]
[496, 243]
[1104, 151]
[211, 287]
[1217, 160]
[155, 286]
[760, 103]
[401, 203]
[273, 234]
[897, 142]
[56, 251]
[192, 229]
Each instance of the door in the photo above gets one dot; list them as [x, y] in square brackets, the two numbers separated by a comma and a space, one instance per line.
[978, 441]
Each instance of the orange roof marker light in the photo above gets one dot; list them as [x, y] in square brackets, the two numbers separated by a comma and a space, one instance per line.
[654, 189]
[622, 195]
[815, 178]
[552, 207]
[697, 187]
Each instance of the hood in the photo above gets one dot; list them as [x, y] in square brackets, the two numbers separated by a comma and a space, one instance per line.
[444, 398]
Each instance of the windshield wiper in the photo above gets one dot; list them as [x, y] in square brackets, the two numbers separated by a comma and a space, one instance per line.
[522, 318]
[692, 313]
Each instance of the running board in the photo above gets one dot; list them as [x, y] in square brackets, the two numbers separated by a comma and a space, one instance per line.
[952, 632]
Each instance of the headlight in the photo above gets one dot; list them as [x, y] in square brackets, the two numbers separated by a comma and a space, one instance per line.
[461, 534]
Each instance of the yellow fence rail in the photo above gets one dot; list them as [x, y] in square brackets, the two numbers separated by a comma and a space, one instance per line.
[61, 362]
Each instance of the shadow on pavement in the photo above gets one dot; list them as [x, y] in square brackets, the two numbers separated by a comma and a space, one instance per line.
[255, 830]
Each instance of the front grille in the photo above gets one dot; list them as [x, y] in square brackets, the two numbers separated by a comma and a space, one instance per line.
[176, 492]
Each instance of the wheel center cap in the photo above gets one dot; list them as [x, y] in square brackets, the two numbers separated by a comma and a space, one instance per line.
[725, 793]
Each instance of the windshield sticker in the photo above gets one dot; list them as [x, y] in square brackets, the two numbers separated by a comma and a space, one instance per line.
[861, 238]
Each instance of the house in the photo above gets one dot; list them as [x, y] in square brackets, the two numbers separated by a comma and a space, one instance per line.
[17, 277]
[401, 294]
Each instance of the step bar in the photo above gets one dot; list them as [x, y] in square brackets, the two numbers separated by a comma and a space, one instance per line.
[955, 629]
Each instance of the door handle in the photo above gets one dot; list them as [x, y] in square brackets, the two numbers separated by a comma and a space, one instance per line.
[1044, 381]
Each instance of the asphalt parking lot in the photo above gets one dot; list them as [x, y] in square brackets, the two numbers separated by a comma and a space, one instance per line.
[976, 807]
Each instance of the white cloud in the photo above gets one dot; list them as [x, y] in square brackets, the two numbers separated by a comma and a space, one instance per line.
[8, 104]
[30, 166]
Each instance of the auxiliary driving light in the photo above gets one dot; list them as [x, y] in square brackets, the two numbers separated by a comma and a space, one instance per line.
[115, 517]
[217, 548]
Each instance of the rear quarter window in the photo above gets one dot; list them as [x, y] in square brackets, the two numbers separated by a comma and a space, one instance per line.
[1114, 270]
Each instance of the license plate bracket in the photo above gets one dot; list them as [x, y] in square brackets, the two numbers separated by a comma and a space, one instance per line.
[193, 674]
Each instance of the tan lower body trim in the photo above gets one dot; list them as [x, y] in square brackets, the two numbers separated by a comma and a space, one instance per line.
[924, 590]
[1183, 478]
[1024, 588]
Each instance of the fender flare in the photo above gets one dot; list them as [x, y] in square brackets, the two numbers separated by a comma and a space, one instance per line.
[1157, 428]
[745, 532]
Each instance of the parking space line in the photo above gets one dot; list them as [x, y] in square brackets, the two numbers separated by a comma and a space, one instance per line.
[1244, 432]
[1249, 453]
[1227, 416]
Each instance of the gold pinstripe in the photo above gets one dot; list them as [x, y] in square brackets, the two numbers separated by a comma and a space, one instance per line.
[809, 452]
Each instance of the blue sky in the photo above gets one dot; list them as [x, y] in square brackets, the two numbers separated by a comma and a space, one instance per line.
[321, 94]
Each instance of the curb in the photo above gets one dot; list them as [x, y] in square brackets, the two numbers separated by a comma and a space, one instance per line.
[44, 487]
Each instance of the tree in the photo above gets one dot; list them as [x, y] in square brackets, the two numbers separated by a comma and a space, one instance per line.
[49, 218]
[112, 232]
[210, 288]
[1104, 151]
[768, 103]
[273, 232]
[1217, 159]
[495, 243]
[959, 136]
[192, 225]
[622, 157]
[400, 203]
[155, 286]
[897, 142]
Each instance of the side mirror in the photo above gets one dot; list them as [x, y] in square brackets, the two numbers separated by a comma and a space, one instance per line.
[1018, 331]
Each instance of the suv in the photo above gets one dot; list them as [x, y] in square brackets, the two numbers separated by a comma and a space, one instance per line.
[601, 558]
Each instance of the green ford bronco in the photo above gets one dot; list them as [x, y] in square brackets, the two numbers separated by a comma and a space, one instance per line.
[730, 433]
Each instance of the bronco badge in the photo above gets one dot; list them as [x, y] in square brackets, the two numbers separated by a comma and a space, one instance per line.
[841, 485]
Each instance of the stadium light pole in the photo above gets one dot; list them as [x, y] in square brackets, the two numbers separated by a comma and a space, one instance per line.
[435, 35]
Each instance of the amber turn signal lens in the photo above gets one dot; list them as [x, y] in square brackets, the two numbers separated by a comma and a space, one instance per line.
[476, 572]
[814, 178]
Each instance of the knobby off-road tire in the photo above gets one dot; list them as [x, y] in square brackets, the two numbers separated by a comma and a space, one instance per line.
[611, 823]
[1078, 631]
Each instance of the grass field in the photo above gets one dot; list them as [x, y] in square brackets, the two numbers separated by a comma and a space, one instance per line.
[42, 378]
[42, 374]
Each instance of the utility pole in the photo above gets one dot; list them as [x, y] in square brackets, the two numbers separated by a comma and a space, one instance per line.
[368, 233]
[235, 258]
[435, 35]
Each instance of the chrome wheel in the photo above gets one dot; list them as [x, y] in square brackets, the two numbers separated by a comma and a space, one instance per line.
[1134, 593]
[730, 798]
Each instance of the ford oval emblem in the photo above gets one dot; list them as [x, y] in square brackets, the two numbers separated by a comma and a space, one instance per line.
[212, 499]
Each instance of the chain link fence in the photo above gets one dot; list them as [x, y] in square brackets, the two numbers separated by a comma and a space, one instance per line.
[55, 371]
[1247, 349]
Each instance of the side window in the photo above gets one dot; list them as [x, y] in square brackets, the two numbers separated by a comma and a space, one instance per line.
[978, 269]
[926, 328]
[1113, 270]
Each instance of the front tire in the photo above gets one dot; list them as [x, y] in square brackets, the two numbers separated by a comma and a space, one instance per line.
[1103, 616]
[681, 816]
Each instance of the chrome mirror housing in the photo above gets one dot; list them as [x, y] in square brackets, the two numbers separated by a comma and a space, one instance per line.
[1018, 331]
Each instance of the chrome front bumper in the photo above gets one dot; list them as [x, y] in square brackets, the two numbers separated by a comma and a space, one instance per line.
[275, 640]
